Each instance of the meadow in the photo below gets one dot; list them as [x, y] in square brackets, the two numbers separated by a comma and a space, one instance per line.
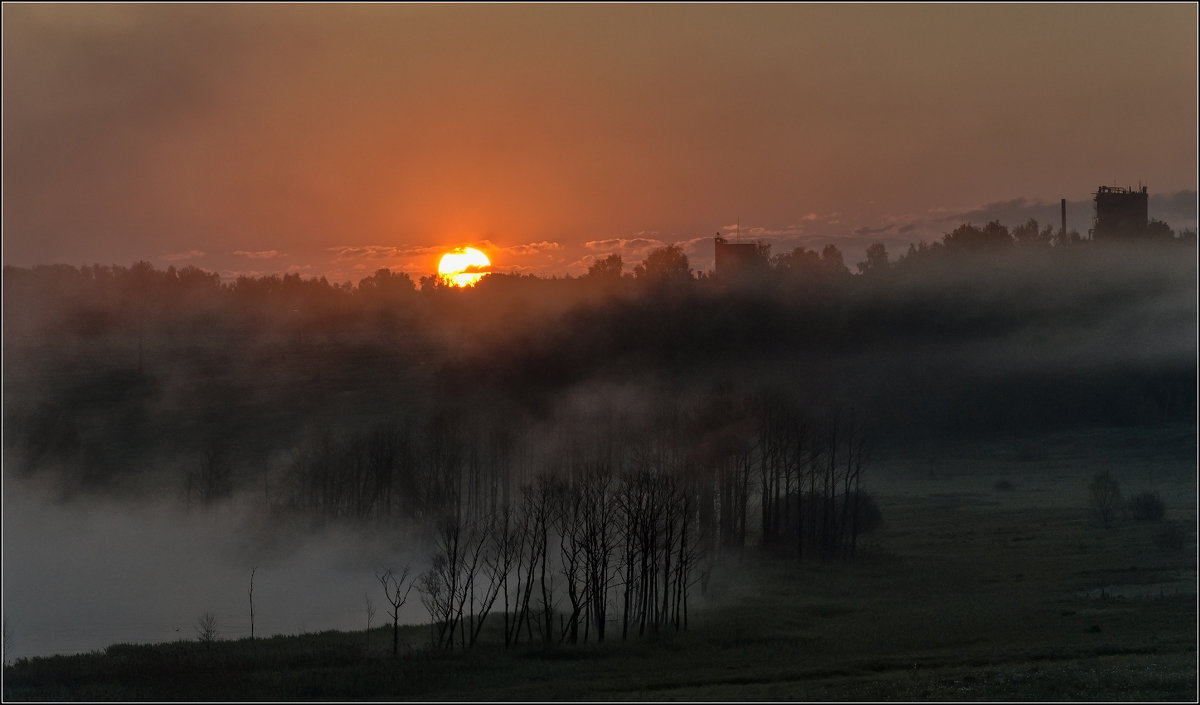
[989, 580]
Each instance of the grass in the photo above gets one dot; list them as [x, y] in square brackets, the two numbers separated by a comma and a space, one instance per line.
[966, 594]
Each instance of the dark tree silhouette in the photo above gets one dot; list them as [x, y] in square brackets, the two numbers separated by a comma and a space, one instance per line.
[969, 238]
[877, 260]
[607, 269]
[664, 266]
[395, 590]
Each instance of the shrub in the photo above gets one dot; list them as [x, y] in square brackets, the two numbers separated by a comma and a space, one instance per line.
[1147, 506]
[206, 628]
[1105, 495]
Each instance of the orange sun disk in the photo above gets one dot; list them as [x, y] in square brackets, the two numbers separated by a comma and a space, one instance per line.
[463, 267]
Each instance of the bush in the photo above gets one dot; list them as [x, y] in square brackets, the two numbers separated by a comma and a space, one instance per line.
[206, 628]
[1147, 506]
[1105, 495]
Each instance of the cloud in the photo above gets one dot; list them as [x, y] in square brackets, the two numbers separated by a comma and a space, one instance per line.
[997, 210]
[865, 230]
[620, 243]
[532, 248]
[345, 253]
[179, 256]
[1177, 210]
[935, 222]
[259, 254]
[523, 269]
[760, 232]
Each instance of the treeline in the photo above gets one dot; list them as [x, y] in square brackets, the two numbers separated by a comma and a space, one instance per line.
[95, 301]
[118, 377]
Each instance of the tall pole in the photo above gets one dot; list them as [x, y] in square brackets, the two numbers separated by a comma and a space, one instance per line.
[1063, 231]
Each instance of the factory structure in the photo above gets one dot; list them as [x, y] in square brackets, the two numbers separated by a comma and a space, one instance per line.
[1121, 213]
[735, 260]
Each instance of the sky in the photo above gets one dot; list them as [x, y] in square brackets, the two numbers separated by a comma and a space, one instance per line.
[334, 140]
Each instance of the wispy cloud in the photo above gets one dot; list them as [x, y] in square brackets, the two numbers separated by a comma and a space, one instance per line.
[867, 230]
[259, 254]
[532, 248]
[346, 253]
[617, 244]
[759, 232]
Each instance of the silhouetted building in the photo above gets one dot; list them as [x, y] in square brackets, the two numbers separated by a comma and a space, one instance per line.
[734, 260]
[1120, 213]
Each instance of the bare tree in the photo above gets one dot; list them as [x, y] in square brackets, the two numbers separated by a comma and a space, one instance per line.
[496, 565]
[599, 511]
[370, 615]
[457, 603]
[396, 589]
[540, 510]
[512, 556]
[251, 593]
[530, 551]
[569, 525]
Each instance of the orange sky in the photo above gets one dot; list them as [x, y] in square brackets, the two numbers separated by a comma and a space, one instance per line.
[335, 140]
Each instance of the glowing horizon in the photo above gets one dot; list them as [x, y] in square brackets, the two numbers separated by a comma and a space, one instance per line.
[330, 140]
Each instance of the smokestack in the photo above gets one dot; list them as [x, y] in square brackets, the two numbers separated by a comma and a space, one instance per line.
[1063, 232]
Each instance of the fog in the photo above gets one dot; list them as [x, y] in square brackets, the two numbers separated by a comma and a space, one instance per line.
[85, 574]
[165, 435]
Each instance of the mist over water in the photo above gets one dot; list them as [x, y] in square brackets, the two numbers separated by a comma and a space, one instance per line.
[83, 575]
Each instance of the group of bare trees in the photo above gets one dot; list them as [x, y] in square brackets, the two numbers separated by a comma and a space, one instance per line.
[573, 558]
[620, 527]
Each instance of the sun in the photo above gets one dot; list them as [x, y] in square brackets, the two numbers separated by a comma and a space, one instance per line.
[463, 267]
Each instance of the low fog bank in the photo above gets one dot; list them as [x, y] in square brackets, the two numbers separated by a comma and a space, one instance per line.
[82, 575]
[130, 381]
[970, 344]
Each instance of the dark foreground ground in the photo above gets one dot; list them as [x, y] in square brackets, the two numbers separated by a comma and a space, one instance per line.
[989, 581]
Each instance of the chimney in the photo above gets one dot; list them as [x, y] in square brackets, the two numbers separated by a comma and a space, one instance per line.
[1063, 232]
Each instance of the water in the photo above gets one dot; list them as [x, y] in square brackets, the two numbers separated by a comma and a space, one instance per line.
[81, 576]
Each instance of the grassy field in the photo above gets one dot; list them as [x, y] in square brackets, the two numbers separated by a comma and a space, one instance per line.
[988, 581]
